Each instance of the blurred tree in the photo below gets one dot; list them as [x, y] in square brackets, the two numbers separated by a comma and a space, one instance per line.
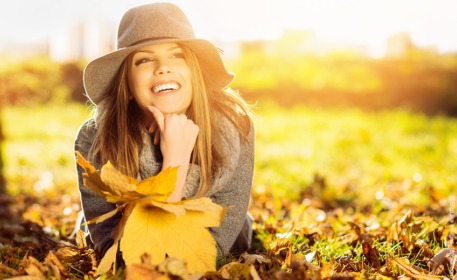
[33, 81]
[2, 178]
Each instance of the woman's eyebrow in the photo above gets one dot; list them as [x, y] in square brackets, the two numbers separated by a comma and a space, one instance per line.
[151, 52]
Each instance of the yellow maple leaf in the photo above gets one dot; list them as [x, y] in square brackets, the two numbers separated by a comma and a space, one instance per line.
[118, 182]
[160, 186]
[153, 230]
[151, 224]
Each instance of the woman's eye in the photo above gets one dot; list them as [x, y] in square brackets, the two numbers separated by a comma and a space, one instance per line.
[178, 55]
[142, 60]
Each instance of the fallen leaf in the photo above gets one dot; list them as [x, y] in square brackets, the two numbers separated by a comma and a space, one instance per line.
[8, 270]
[148, 271]
[411, 271]
[277, 246]
[23, 264]
[239, 270]
[143, 272]
[224, 271]
[289, 257]
[27, 277]
[51, 258]
[160, 186]
[357, 228]
[252, 259]
[118, 184]
[326, 270]
[175, 267]
[150, 224]
[91, 178]
[108, 260]
[67, 255]
[371, 254]
[159, 232]
[253, 273]
[35, 268]
[81, 239]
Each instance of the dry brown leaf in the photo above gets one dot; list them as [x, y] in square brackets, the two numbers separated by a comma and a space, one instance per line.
[224, 271]
[27, 277]
[67, 255]
[452, 259]
[8, 270]
[371, 254]
[174, 266]
[81, 239]
[54, 271]
[277, 246]
[411, 271]
[51, 258]
[326, 270]
[143, 272]
[357, 228]
[289, 257]
[91, 178]
[23, 264]
[252, 259]
[213, 275]
[118, 184]
[253, 273]
[108, 260]
[35, 268]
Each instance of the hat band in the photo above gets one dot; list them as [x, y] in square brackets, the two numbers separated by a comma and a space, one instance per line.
[151, 39]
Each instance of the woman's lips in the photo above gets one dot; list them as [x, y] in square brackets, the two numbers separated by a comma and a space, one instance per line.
[163, 88]
[164, 93]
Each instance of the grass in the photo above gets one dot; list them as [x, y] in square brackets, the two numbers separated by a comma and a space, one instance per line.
[361, 155]
[344, 159]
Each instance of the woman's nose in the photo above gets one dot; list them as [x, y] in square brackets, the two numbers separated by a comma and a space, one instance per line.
[162, 68]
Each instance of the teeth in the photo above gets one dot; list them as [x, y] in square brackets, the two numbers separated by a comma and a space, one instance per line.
[170, 86]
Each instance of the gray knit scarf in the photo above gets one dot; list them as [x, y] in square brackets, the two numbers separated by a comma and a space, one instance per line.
[151, 157]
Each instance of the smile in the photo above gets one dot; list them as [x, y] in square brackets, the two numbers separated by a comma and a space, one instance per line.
[165, 87]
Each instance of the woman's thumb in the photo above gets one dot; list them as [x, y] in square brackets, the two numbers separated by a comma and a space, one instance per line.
[158, 116]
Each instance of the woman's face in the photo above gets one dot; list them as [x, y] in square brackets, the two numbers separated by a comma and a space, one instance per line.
[159, 76]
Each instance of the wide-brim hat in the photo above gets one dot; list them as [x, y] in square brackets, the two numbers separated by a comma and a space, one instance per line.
[147, 25]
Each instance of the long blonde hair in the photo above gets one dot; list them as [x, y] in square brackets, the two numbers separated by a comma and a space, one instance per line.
[119, 138]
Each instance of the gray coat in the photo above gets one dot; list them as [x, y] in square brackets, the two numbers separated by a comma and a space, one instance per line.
[231, 188]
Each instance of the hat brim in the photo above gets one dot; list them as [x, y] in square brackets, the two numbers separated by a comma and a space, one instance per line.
[100, 72]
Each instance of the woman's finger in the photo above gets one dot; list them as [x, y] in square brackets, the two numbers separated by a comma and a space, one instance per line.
[158, 116]
[157, 137]
[153, 126]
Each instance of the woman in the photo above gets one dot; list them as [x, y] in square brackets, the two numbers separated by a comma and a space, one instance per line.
[161, 102]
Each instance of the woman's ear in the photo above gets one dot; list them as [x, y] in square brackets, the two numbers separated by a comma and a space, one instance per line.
[130, 95]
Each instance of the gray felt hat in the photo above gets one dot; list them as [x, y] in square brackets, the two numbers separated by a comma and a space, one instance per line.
[153, 24]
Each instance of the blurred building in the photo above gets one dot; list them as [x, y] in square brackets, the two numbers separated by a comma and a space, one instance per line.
[401, 45]
[86, 39]
[24, 49]
[301, 42]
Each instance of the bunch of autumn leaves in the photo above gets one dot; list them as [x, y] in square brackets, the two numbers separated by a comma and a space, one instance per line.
[150, 224]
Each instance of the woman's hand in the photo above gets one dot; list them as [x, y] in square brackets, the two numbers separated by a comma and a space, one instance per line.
[176, 134]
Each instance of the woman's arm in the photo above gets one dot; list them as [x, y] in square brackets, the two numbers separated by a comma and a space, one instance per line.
[93, 205]
[182, 172]
[177, 139]
[236, 192]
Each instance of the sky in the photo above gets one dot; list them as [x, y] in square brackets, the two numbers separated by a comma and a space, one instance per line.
[363, 22]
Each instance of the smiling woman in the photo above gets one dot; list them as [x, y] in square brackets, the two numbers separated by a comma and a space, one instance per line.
[161, 70]
[164, 85]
